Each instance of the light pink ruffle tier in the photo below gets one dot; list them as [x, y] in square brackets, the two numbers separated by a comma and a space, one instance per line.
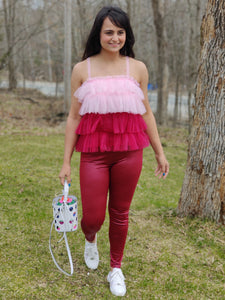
[110, 94]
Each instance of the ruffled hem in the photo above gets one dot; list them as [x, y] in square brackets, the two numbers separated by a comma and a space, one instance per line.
[110, 95]
[106, 142]
[116, 123]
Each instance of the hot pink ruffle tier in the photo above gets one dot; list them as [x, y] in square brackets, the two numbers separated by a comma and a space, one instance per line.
[111, 132]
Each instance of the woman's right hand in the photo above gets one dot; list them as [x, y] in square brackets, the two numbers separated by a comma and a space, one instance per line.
[65, 173]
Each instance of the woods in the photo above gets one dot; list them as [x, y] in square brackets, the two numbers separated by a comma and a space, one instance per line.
[33, 37]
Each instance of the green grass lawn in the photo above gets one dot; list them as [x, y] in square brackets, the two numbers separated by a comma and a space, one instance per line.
[165, 257]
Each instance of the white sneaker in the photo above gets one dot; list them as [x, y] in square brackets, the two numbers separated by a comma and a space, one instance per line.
[91, 256]
[117, 284]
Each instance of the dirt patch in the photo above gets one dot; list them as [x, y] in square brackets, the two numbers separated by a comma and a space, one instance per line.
[30, 111]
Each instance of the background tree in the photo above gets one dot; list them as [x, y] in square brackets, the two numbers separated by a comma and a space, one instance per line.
[48, 42]
[193, 51]
[203, 192]
[163, 71]
[9, 8]
[67, 55]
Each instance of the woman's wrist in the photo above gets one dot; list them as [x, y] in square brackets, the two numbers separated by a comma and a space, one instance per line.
[66, 161]
[159, 154]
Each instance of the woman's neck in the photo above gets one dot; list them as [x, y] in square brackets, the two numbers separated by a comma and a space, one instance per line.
[109, 56]
[108, 64]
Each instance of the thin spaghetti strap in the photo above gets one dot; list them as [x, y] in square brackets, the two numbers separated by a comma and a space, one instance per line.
[89, 67]
[128, 65]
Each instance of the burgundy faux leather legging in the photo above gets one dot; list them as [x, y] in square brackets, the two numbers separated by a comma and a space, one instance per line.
[118, 173]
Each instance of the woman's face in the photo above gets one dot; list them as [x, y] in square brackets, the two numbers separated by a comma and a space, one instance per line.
[112, 38]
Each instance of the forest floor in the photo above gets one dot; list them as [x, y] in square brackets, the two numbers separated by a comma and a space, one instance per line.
[30, 112]
[166, 257]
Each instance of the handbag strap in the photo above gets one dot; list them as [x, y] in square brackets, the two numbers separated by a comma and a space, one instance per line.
[68, 252]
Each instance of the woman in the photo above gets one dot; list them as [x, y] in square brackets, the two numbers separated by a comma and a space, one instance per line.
[110, 122]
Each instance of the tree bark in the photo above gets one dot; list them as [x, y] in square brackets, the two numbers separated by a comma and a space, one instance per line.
[49, 59]
[175, 113]
[203, 191]
[163, 74]
[9, 8]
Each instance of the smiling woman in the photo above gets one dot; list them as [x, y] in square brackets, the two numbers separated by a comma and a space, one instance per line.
[119, 19]
[110, 122]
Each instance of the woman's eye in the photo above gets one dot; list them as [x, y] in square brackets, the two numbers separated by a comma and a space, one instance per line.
[111, 33]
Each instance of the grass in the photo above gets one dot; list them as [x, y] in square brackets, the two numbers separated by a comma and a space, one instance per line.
[165, 257]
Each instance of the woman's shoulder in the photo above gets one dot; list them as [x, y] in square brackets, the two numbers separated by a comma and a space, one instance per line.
[80, 66]
[138, 64]
[138, 70]
[80, 71]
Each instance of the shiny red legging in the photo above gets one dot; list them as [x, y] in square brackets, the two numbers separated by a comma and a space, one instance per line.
[118, 173]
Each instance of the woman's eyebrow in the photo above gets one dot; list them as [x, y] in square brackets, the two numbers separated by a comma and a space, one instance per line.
[111, 30]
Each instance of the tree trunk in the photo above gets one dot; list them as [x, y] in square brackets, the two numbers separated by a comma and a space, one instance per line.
[129, 5]
[77, 36]
[175, 113]
[162, 76]
[83, 26]
[193, 51]
[203, 191]
[189, 111]
[67, 56]
[9, 8]
[48, 43]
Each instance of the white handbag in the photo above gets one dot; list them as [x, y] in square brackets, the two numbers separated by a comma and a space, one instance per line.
[65, 219]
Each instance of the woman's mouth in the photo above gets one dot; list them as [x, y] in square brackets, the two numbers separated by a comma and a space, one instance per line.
[114, 44]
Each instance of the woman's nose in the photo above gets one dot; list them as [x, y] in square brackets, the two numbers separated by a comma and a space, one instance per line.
[115, 37]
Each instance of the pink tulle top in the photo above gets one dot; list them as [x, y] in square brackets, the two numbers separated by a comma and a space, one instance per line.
[111, 110]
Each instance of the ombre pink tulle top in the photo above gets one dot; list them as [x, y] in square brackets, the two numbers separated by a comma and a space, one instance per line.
[111, 110]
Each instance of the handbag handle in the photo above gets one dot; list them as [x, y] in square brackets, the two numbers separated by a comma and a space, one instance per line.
[68, 252]
[66, 190]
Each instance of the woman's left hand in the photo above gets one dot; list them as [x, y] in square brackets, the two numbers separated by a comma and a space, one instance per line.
[162, 169]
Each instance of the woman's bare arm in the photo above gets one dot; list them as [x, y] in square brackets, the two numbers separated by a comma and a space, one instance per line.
[152, 131]
[73, 121]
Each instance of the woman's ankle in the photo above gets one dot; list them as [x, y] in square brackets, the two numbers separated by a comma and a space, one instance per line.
[94, 240]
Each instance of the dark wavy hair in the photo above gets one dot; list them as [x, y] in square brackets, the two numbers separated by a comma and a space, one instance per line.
[120, 19]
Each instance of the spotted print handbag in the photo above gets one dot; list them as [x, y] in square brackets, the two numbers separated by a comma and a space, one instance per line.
[65, 219]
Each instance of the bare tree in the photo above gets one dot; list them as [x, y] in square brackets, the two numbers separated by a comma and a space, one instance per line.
[67, 55]
[47, 34]
[203, 191]
[9, 8]
[193, 51]
[163, 70]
